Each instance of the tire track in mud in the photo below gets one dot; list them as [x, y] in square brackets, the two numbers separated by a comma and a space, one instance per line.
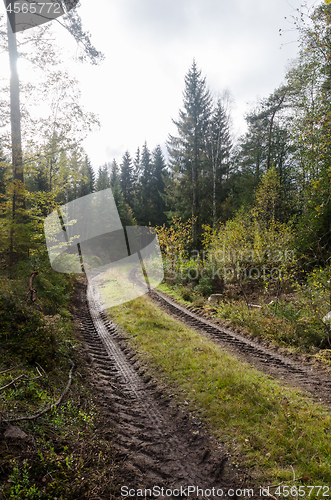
[160, 442]
[298, 373]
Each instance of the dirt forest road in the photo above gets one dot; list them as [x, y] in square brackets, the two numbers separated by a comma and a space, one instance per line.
[160, 442]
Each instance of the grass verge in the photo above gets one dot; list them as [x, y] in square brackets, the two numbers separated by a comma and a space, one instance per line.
[283, 436]
[289, 325]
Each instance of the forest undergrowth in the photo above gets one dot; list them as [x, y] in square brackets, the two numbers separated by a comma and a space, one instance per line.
[60, 453]
[289, 323]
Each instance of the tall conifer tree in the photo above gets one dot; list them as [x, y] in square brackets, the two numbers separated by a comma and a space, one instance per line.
[88, 178]
[158, 187]
[187, 150]
[127, 178]
[103, 181]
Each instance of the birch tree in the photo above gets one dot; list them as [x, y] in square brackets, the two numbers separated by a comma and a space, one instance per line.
[219, 147]
[74, 26]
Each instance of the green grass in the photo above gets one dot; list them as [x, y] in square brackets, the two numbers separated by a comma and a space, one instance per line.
[274, 431]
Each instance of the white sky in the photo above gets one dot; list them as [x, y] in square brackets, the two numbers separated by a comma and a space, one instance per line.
[149, 46]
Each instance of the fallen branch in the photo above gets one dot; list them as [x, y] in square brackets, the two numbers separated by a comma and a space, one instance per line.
[21, 377]
[266, 493]
[255, 305]
[11, 383]
[32, 292]
[33, 417]
[10, 369]
[42, 369]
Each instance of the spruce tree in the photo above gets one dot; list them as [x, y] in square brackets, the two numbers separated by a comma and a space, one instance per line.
[145, 186]
[103, 181]
[114, 173]
[158, 187]
[90, 175]
[136, 167]
[187, 150]
[124, 210]
[88, 178]
[142, 186]
[127, 178]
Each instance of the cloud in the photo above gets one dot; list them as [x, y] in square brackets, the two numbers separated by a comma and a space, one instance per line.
[150, 45]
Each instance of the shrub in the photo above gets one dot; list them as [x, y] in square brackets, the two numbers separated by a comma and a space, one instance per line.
[204, 287]
[187, 295]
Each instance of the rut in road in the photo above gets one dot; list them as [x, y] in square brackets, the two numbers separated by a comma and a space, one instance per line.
[295, 372]
[162, 444]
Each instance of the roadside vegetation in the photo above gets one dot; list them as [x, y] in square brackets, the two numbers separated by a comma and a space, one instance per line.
[58, 451]
[289, 323]
[278, 435]
[251, 274]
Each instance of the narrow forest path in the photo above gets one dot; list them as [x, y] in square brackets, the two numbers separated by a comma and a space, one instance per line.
[161, 444]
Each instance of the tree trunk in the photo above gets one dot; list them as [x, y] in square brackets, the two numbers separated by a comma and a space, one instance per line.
[282, 97]
[15, 119]
[196, 201]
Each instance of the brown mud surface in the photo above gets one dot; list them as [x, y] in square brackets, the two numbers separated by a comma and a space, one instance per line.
[159, 443]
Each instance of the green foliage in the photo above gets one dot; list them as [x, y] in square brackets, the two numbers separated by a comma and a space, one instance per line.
[21, 485]
[309, 84]
[187, 151]
[33, 333]
[246, 243]
[266, 144]
[174, 240]
[204, 287]
[58, 467]
[4, 171]
[187, 295]
[127, 177]
[317, 292]
[149, 186]
[109, 177]
[288, 323]
[23, 332]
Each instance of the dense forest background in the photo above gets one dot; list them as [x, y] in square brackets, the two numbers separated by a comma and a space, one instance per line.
[278, 171]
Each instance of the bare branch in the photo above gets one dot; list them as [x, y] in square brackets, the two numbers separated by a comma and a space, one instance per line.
[10, 369]
[49, 408]
[11, 383]
[20, 377]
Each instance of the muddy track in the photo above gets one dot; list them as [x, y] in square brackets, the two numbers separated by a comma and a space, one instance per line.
[160, 442]
[292, 370]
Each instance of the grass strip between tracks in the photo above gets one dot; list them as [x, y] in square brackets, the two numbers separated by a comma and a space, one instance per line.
[282, 435]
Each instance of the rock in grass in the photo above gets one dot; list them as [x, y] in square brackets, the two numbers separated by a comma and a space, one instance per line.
[14, 432]
[215, 297]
